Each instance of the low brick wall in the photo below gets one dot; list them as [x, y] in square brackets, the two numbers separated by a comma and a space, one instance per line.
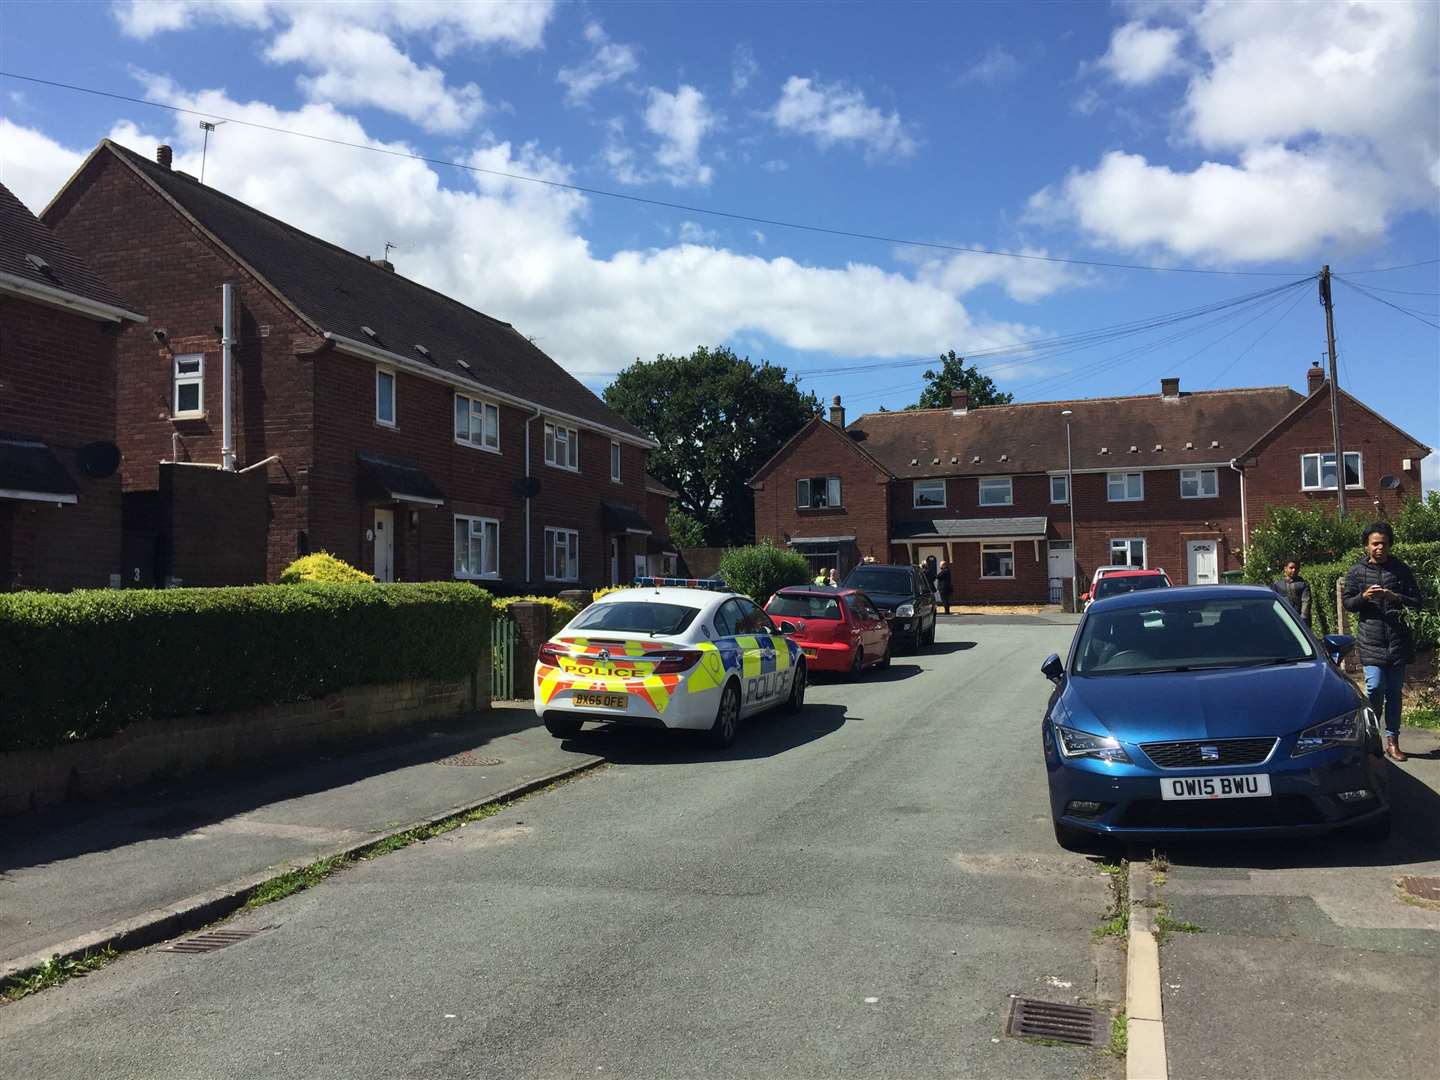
[30, 779]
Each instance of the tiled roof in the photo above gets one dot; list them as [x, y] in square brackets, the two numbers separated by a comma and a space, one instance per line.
[342, 293]
[52, 266]
[1193, 428]
[969, 528]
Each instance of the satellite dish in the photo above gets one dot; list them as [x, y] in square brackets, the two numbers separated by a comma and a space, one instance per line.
[527, 487]
[1390, 483]
[99, 459]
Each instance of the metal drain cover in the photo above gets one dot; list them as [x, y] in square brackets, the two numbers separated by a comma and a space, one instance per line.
[211, 940]
[1423, 888]
[1077, 1024]
[468, 757]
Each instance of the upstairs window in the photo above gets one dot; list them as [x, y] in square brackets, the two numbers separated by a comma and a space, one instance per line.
[1317, 471]
[1199, 484]
[562, 447]
[996, 491]
[477, 423]
[1125, 486]
[615, 462]
[929, 493]
[384, 397]
[818, 493]
[1059, 489]
[189, 386]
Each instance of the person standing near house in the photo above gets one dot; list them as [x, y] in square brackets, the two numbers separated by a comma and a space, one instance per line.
[943, 586]
[1294, 588]
[832, 578]
[1377, 591]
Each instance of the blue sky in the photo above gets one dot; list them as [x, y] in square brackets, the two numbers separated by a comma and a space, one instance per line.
[1263, 138]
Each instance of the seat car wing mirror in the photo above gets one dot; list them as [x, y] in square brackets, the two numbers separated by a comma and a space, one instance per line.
[1338, 646]
[1052, 668]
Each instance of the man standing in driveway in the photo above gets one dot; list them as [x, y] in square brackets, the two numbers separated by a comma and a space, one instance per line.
[1377, 591]
[1294, 588]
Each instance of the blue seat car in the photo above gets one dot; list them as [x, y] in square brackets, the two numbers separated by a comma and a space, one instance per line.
[1208, 710]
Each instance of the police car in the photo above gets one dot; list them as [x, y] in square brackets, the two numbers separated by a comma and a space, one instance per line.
[671, 653]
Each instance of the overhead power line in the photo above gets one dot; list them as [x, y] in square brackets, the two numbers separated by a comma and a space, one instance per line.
[1381, 300]
[643, 200]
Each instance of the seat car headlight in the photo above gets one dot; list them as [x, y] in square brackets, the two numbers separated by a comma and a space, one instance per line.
[905, 610]
[1347, 729]
[1075, 743]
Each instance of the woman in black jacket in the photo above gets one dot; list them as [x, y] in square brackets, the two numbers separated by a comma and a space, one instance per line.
[1377, 590]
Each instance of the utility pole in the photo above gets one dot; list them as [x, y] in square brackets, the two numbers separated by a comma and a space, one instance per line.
[1334, 390]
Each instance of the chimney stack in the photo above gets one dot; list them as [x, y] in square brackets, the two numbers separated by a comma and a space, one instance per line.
[383, 264]
[1170, 389]
[959, 402]
[164, 155]
[837, 412]
[1314, 378]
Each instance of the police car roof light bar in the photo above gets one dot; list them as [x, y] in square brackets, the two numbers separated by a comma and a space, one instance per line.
[714, 584]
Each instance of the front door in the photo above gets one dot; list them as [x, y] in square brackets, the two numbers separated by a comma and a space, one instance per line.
[1062, 559]
[614, 560]
[1202, 562]
[642, 566]
[384, 545]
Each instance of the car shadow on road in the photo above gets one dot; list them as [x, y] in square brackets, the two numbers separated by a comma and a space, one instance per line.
[1414, 838]
[894, 673]
[767, 735]
[172, 807]
[945, 648]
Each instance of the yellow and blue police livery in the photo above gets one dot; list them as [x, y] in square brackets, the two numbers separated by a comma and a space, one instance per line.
[670, 653]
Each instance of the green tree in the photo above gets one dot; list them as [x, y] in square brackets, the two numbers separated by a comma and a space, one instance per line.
[954, 375]
[717, 418]
[684, 530]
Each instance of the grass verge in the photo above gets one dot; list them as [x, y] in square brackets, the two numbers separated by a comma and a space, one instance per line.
[1422, 718]
[1119, 1035]
[55, 971]
[1117, 915]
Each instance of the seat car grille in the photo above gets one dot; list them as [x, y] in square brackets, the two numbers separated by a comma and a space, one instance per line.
[1279, 810]
[1189, 755]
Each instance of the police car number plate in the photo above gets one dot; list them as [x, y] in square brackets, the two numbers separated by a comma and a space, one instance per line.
[599, 701]
[1251, 786]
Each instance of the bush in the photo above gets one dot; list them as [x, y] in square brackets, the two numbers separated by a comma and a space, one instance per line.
[1418, 520]
[83, 665]
[759, 570]
[561, 611]
[1312, 536]
[324, 568]
[1423, 559]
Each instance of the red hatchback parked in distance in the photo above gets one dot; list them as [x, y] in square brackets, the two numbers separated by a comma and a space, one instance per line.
[838, 629]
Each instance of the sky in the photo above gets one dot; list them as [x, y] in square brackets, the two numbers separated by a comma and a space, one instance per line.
[1230, 148]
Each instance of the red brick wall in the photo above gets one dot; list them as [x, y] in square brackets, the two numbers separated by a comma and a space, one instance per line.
[1030, 585]
[1274, 479]
[862, 491]
[57, 382]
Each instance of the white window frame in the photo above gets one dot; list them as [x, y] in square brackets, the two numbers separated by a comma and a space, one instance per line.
[1127, 541]
[476, 529]
[1124, 478]
[189, 378]
[916, 495]
[1197, 477]
[615, 473]
[571, 541]
[476, 408]
[991, 549]
[394, 396]
[553, 441]
[807, 485]
[1065, 482]
[1320, 460]
[1009, 499]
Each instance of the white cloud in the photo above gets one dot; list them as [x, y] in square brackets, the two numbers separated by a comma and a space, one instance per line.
[831, 113]
[743, 68]
[692, 232]
[775, 165]
[33, 166]
[516, 250]
[353, 51]
[680, 120]
[1025, 280]
[1321, 124]
[609, 63]
[1140, 54]
[997, 65]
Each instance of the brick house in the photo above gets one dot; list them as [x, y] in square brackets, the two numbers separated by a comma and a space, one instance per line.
[371, 417]
[1173, 480]
[60, 324]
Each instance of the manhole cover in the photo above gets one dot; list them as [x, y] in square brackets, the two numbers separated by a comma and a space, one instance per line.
[1423, 888]
[1077, 1024]
[468, 757]
[211, 940]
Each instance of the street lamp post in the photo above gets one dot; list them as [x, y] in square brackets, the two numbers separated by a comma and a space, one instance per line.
[1070, 500]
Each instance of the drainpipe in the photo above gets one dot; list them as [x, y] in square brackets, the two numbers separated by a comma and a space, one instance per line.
[528, 553]
[227, 342]
[1244, 520]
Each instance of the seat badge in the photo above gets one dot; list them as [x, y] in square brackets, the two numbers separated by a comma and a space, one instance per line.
[1209, 753]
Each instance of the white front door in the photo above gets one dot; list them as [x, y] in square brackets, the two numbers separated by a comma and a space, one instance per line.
[614, 561]
[1062, 559]
[384, 545]
[1202, 562]
[642, 566]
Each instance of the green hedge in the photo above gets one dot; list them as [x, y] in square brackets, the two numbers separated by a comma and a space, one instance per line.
[759, 570]
[1423, 558]
[561, 611]
[83, 665]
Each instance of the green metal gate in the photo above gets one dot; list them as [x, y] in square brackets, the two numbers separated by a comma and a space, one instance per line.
[502, 659]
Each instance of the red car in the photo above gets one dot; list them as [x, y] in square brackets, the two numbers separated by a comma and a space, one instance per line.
[838, 629]
[1123, 581]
